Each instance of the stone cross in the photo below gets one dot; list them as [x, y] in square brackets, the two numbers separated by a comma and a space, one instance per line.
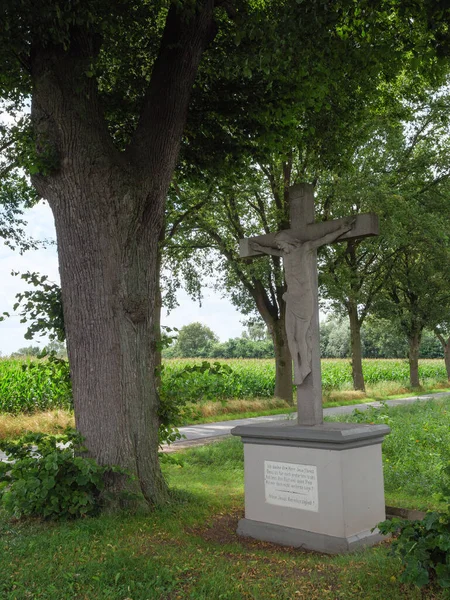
[298, 247]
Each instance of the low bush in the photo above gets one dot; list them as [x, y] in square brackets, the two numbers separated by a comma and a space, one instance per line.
[46, 478]
[423, 547]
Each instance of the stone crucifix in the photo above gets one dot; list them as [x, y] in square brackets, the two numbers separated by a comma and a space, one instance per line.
[298, 247]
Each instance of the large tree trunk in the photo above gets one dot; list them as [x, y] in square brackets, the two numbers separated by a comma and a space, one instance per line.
[109, 286]
[283, 362]
[356, 350]
[413, 356]
[108, 208]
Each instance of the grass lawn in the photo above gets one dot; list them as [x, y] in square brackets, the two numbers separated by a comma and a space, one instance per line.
[189, 549]
[415, 452]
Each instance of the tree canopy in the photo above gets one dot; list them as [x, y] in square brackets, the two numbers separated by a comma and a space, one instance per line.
[194, 340]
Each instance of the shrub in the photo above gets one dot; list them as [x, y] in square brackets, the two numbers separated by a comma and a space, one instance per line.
[424, 546]
[46, 478]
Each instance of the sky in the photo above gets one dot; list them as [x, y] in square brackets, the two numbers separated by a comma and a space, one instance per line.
[215, 312]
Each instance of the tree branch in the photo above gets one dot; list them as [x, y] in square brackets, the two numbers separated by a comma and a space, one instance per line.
[254, 287]
[157, 138]
[177, 222]
[259, 208]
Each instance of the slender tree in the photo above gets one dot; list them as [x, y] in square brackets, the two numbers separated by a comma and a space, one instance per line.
[417, 297]
[231, 212]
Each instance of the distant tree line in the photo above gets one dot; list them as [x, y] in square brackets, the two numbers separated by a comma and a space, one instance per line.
[199, 341]
[380, 339]
[53, 346]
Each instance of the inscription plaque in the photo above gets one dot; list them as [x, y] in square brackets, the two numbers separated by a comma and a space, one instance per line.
[289, 484]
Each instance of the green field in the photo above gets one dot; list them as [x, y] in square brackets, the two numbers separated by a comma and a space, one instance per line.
[32, 385]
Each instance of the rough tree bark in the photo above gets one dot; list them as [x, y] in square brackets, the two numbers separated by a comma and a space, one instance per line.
[273, 313]
[413, 357]
[355, 340]
[283, 362]
[447, 358]
[108, 208]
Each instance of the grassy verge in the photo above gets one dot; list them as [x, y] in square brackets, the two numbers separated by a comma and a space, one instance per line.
[385, 390]
[415, 452]
[209, 412]
[49, 421]
[245, 415]
[189, 549]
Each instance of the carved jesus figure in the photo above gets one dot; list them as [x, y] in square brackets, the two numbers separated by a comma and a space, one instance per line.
[299, 295]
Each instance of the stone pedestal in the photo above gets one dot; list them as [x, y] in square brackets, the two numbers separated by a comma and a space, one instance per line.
[318, 487]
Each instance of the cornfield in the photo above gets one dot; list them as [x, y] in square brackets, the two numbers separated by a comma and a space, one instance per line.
[36, 385]
[256, 377]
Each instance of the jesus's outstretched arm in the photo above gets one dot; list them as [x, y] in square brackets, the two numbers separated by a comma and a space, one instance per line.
[334, 235]
[265, 249]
